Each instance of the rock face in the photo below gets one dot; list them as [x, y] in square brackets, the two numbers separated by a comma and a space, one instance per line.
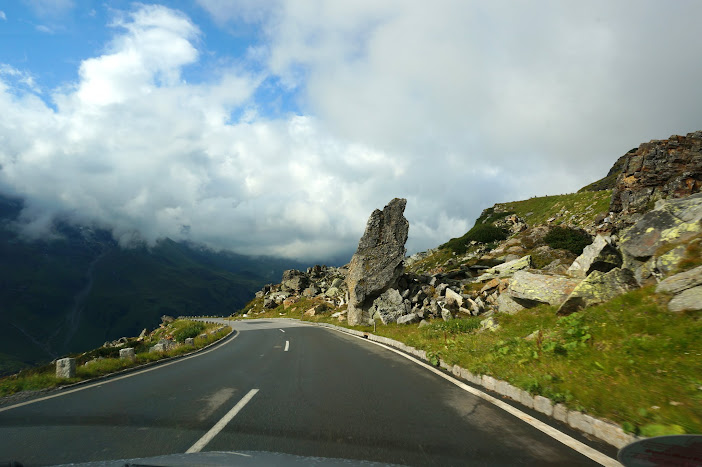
[670, 168]
[598, 287]
[377, 264]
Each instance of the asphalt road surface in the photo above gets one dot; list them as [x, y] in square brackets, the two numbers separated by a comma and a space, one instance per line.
[285, 387]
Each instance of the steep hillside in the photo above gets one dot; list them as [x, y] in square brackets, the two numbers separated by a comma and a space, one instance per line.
[80, 289]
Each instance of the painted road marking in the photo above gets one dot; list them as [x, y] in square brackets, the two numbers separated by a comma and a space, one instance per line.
[572, 443]
[287, 345]
[202, 442]
[129, 375]
[281, 330]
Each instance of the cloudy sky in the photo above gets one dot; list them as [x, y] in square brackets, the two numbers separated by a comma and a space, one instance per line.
[276, 127]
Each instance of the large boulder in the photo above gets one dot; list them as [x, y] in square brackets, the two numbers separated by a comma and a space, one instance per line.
[671, 222]
[600, 255]
[294, 281]
[686, 288]
[529, 289]
[377, 264]
[598, 287]
[389, 306]
[670, 168]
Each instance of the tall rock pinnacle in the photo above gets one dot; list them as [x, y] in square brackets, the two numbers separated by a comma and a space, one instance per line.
[378, 261]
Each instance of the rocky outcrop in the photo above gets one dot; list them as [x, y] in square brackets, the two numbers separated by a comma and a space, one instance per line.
[672, 221]
[670, 168]
[378, 262]
[598, 287]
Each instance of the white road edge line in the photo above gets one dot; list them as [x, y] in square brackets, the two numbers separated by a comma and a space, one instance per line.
[287, 345]
[202, 442]
[572, 443]
[111, 380]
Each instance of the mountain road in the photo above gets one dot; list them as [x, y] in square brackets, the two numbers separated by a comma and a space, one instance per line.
[286, 387]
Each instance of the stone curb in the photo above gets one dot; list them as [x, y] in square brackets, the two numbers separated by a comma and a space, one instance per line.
[604, 430]
[133, 368]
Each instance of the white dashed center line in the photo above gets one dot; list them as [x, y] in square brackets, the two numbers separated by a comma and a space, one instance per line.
[287, 345]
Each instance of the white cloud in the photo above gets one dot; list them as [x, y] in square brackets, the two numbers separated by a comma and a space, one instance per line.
[454, 105]
[50, 7]
[3, 16]
[44, 28]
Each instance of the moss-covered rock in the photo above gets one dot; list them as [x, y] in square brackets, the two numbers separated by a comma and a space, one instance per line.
[598, 287]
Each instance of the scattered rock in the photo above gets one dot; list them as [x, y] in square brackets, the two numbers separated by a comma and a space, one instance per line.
[408, 319]
[316, 310]
[389, 306]
[507, 269]
[453, 299]
[489, 324]
[446, 314]
[165, 319]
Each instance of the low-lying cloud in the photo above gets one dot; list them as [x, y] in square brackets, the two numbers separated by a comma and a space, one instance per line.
[453, 105]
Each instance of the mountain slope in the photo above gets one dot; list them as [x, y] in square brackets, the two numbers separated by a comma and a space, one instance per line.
[80, 289]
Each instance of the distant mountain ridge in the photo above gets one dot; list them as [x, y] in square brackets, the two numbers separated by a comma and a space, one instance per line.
[77, 291]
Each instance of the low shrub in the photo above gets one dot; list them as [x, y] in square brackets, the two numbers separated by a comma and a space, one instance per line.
[481, 233]
[191, 330]
[565, 238]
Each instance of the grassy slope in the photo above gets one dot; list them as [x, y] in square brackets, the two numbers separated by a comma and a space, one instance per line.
[575, 209]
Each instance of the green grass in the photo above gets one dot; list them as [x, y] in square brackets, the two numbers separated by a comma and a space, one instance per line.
[429, 264]
[585, 206]
[104, 361]
[628, 360]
